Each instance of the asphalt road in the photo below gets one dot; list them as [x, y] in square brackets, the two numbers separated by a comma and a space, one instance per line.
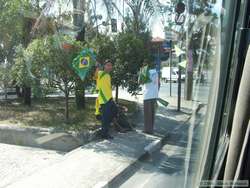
[200, 93]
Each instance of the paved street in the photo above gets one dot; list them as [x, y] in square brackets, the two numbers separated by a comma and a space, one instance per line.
[2, 97]
[200, 96]
[199, 93]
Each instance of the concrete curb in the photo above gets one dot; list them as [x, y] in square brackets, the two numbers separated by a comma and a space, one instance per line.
[45, 138]
[133, 167]
[153, 147]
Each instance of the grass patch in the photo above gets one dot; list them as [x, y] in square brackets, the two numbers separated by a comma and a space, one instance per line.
[49, 112]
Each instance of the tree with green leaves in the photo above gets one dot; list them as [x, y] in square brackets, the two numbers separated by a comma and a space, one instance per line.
[11, 24]
[60, 74]
[16, 25]
[127, 53]
[21, 73]
[130, 53]
[47, 62]
[105, 49]
[28, 69]
[5, 79]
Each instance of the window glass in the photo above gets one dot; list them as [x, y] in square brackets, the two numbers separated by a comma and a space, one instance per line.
[54, 56]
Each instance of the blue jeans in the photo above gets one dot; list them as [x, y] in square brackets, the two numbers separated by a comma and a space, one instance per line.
[107, 116]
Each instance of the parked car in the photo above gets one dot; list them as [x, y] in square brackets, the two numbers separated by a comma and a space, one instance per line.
[165, 74]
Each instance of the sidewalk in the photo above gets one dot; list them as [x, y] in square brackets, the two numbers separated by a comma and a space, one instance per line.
[18, 161]
[102, 163]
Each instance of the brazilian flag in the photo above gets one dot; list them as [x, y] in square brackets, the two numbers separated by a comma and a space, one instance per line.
[83, 62]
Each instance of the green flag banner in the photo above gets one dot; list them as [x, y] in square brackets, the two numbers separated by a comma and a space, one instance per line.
[178, 51]
[144, 75]
[183, 64]
[163, 102]
[83, 62]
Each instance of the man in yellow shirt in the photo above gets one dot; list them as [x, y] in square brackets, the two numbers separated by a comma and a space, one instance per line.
[105, 98]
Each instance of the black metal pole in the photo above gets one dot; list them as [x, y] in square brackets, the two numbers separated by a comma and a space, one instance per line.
[179, 86]
[170, 67]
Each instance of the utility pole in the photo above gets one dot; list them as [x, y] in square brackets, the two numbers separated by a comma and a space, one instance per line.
[189, 77]
[170, 68]
[79, 21]
[179, 20]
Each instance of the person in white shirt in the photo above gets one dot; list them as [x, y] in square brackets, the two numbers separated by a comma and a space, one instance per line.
[151, 90]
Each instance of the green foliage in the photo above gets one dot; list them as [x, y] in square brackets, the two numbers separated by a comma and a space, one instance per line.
[30, 63]
[5, 77]
[59, 72]
[104, 47]
[12, 26]
[127, 52]
[129, 58]
[45, 61]
[15, 24]
[46, 64]
[20, 71]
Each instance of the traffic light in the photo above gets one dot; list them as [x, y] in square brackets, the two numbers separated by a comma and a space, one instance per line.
[180, 8]
[114, 25]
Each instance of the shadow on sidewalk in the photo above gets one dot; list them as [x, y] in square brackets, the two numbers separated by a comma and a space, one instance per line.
[132, 144]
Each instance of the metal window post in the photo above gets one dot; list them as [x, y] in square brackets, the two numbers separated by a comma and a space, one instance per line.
[179, 86]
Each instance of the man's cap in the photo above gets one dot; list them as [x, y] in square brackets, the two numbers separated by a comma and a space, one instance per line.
[107, 61]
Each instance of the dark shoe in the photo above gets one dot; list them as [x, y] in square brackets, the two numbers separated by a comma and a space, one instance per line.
[128, 129]
[148, 132]
[107, 137]
[119, 129]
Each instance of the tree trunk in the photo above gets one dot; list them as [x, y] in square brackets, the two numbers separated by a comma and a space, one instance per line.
[27, 95]
[189, 78]
[188, 86]
[80, 95]
[27, 27]
[66, 107]
[18, 92]
[37, 90]
[116, 93]
[5, 93]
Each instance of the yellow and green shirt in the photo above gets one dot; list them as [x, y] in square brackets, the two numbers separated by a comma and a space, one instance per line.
[104, 87]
